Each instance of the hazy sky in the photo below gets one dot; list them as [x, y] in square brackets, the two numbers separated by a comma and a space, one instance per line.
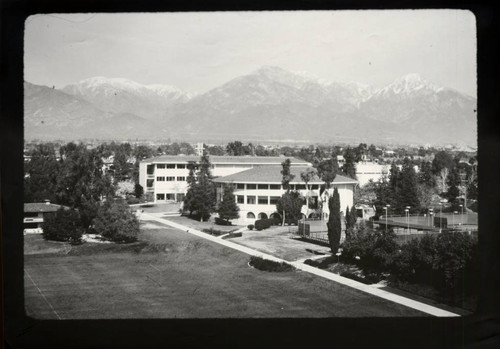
[199, 51]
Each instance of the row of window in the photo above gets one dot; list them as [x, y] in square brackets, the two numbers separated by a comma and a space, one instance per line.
[274, 186]
[170, 179]
[261, 200]
[170, 196]
[170, 166]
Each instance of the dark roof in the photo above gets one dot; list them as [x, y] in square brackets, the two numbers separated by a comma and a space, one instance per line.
[225, 159]
[41, 207]
[272, 174]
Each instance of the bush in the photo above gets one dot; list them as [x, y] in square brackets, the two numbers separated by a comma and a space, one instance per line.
[267, 265]
[220, 221]
[263, 223]
[214, 232]
[115, 222]
[250, 226]
[233, 235]
[63, 225]
[132, 200]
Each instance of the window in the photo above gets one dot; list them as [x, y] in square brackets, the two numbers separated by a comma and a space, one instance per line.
[170, 196]
[300, 186]
[160, 179]
[274, 200]
[263, 186]
[251, 200]
[170, 165]
[240, 186]
[150, 183]
[151, 169]
[263, 200]
[314, 187]
[181, 165]
[240, 199]
[275, 187]
[160, 166]
[170, 179]
[251, 186]
[160, 196]
[181, 179]
[250, 215]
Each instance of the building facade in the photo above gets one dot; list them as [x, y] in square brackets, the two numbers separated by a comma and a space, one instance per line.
[165, 177]
[258, 190]
[34, 216]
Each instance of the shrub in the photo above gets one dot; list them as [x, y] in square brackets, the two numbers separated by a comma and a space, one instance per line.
[132, 200]
[250, 226]
[233, 235]
[263, 223]
[220, 221]
[214, 232]
[267, 265]
[63, 225]
[115, 222]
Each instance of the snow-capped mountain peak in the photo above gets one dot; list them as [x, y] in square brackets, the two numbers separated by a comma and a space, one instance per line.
[409, 84]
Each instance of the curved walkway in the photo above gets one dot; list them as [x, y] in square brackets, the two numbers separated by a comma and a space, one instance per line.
[299, 265]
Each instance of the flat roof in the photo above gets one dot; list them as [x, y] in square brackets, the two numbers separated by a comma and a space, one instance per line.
[214, 159]
[41, 207]
[272, 174]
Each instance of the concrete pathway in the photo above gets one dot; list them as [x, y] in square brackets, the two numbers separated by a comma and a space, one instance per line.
[304, 267]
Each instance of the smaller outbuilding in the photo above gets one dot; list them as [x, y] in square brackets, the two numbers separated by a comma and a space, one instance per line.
[34, 213]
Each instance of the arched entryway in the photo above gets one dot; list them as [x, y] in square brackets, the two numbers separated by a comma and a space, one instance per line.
[262, 215]
[250, 215]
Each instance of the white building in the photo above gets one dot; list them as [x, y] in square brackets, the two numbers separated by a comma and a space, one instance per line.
[257, 191]
[366, 171]
[256, 181]
[165, 176]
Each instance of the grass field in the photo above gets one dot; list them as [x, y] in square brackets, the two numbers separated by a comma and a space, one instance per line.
[172, 274]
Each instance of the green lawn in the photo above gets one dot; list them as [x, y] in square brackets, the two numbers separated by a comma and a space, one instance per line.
[172, 274]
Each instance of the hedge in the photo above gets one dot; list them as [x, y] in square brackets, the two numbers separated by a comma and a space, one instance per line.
[264, 223]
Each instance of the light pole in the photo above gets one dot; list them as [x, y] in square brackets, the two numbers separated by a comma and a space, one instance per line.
[453, 218]
[462, 216]
[386, 208]
[440, 216]
[431, 212]
[408, 219]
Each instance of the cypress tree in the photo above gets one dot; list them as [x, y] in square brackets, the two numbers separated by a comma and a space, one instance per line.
[228, 209]
[334, 224]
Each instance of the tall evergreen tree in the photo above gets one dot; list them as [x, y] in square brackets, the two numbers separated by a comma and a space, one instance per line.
[453, 188]
[286, 199]
[200, 197]
[228, 209]
[408, 194]
[425, 175]
[41, 174]
[334, 223]
[287, 176]
[349, 167]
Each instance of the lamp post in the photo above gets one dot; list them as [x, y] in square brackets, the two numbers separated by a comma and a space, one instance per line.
[386, 208]
[408, 219]
[431, 212]
[440, 216]
[453, 218]
[462, 216]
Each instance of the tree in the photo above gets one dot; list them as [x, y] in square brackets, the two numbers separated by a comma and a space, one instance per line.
[425, 175]
[442, 160]
[407, 194]
[453, 192]
[306, 177]
[63, 225]
[235, 148]
[349, 167]
[287, 178]
[360, 151]
[290, 204]
[334, 224]
[200, 196]
[115, 222]
[138, 190]
[327, 171]
[124, 188]
[228, 209]
[40, 174]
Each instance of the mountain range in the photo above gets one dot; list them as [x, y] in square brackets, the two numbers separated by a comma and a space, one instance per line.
[269, 104]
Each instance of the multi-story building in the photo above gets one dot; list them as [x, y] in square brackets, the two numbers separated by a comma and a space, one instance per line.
[256, 181]
[165, 176]
[257, 191]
